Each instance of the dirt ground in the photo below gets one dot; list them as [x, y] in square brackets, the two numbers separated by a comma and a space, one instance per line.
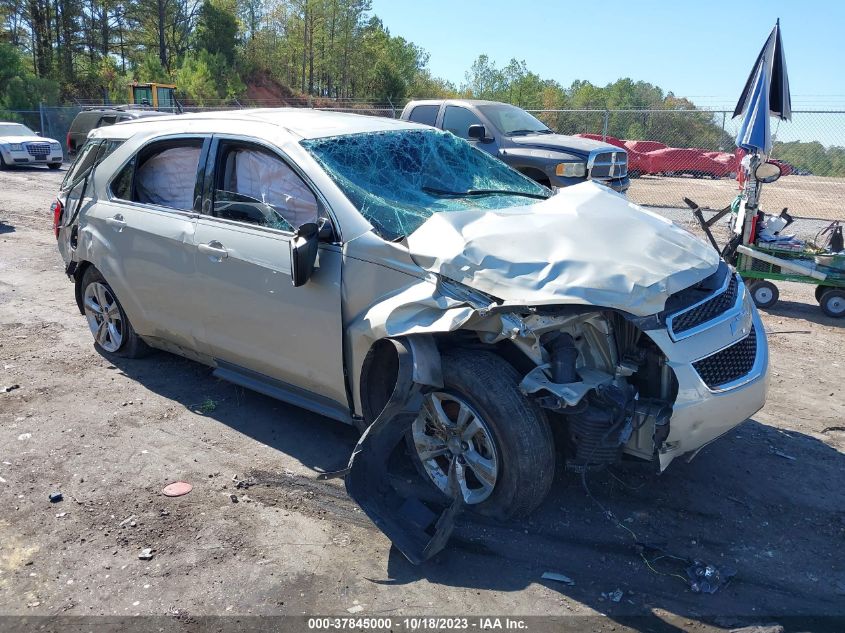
[804, 196]
[768, 499]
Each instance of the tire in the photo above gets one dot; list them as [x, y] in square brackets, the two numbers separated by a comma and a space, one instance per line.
[833, 303]
[522, 448]
[3, 164]
[54, 165]
[116, 337]
[820, 290]
[764, 293]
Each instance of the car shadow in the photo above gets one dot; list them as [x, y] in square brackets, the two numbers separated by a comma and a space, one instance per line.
[763, 501]
[6, 228]
[800, 310]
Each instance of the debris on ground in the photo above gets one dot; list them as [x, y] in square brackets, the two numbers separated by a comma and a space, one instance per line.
[128, 520]
[234, 498]
[9, 388]
[784, 455]
[24, 436]
[356, 609]
[706, 578]
[55, 497]
[552, 575]
[61, 514]
[177, 489]
[146, 554]
[613, 596]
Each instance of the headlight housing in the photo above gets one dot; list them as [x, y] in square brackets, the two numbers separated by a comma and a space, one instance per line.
[16, 147]
[571, 170]
[55, 146]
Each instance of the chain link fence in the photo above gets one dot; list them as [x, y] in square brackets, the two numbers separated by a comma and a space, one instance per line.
[672, 153]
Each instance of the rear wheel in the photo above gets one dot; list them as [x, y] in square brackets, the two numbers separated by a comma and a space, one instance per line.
[764, 293]
[833, 303]
[112, 331]
[500, 441]
[820, 290]
[3, 164]
[54, 165]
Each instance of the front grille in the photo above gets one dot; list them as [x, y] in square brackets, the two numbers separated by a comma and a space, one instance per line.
[732, 363]
[708, 310]
[38, 150]
[610, 165]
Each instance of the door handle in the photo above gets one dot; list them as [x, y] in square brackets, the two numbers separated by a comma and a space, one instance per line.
[214, 250]
[116, 222]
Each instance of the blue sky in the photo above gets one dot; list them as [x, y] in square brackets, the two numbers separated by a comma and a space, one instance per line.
[699, 50]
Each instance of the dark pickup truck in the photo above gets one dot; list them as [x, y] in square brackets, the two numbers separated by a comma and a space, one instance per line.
[525, 143]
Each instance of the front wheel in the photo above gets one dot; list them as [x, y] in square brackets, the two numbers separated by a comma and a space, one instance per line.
[499, 440]
[112, 331]
[54, 165]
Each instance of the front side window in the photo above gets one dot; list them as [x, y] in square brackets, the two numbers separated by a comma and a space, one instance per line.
[256, 186]
[457, 121]
[398, 179]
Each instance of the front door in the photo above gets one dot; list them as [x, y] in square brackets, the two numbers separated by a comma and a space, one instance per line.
[253, 317]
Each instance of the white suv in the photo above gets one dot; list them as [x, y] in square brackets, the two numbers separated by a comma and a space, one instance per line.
[301, 253]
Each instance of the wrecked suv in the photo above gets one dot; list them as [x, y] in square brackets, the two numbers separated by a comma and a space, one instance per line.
[308, 255]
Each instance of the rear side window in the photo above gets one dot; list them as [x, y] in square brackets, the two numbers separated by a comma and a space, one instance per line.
[163, 174]
[91, 155]
[82, 165]
[425, 114]
[109, 119]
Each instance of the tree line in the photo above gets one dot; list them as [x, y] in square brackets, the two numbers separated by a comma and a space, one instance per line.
[59, 51]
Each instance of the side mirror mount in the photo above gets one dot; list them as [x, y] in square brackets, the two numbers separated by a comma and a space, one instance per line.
[767, 172]
[303, 253]
[477, 132]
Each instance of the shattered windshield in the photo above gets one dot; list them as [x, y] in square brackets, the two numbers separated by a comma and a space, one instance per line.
[399, 179]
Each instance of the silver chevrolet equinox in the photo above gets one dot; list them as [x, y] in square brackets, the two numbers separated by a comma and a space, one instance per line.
[298, 252]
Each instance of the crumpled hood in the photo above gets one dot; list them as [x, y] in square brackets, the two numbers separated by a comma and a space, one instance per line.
[584, 245]
[564, 143]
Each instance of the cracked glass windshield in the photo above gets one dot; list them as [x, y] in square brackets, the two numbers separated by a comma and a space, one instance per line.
[398, 179]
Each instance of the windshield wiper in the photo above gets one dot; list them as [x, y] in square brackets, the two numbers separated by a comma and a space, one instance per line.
[483, 192]
[527, 132]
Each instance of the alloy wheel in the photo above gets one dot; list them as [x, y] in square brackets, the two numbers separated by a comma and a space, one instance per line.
[449, 431]
[103, 314]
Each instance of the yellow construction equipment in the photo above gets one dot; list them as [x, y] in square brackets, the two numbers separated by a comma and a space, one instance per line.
[157, 96]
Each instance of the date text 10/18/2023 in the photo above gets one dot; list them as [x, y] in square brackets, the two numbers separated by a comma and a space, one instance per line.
[418, 623]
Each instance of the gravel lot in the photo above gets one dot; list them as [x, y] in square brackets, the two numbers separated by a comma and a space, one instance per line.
[768, 499]
[805, 196]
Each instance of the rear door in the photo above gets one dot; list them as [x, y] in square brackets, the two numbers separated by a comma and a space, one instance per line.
[145, 234]
[256, 322]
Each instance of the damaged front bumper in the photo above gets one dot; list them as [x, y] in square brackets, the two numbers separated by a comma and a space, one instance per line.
[716, 389]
